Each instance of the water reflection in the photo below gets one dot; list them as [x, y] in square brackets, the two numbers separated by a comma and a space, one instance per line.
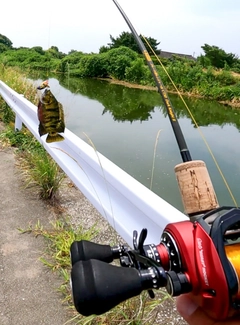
[122, 103]
[123, 124]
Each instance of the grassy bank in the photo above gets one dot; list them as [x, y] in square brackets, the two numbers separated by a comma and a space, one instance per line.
[122, 64]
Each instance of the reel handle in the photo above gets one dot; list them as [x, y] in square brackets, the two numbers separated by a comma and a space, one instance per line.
[97, 286]
[85, 250]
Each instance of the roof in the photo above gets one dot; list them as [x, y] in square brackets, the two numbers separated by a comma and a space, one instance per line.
[169, 55]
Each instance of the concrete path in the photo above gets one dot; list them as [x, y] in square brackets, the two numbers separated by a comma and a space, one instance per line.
[28, 289]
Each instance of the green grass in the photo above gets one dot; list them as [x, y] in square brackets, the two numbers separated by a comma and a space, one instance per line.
[39, 170]
[16, 80]
[59, 237]
[140, 310]
[42, 172]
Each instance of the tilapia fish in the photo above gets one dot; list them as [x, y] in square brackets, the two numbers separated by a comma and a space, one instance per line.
[50, 115]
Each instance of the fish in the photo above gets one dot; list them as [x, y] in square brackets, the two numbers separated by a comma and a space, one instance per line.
[50, 115]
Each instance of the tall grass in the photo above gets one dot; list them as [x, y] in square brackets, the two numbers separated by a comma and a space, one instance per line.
[37, 167]
[42, 172]
[140, 310]
[16, 80]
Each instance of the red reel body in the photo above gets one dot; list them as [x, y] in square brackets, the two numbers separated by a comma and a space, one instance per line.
[203, 268]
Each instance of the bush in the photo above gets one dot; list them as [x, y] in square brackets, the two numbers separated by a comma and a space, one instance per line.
[137, 72]
[119, 60]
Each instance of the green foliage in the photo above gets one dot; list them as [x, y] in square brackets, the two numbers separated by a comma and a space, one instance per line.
[39, 169]
[34, 58]
[22, 140]
[91, 66]
[6, 114]
[222, 93]
[204, 61]
[38, 49]
[124, 39]
[54, 52]
[103, 49]
[124, 63]
[42, 172]
[73, 58]
[225, 78]
[236, 66]
[218, 57]
[5, 43]
[111, 63]
[127, 39]
[60, 238]
[16, 80]
[135, 311]
[151, 44]
[3, 48]
[119, 60]
[137, 72]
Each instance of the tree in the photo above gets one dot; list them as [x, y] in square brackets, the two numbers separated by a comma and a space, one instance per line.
[127, 39]
[218, 57]
[54, 52]
[103, 49]
[5, 41]
[38, 49]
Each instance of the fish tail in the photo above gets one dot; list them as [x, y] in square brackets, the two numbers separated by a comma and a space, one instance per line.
[54, 138]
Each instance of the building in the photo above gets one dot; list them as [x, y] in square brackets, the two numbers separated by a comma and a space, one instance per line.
[169, 55]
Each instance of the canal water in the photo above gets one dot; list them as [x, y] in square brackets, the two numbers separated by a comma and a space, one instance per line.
[129, 125]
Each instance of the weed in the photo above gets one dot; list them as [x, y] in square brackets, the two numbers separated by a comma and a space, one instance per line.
[59, 238]
[140, 310]
[42, 172]
[15, 79]
[38, 168]
[6, 114]
[22, 140]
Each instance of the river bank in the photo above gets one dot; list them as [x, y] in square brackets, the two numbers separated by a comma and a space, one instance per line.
[235, 103]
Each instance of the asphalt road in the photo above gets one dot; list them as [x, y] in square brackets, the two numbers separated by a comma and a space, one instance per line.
[28, 289]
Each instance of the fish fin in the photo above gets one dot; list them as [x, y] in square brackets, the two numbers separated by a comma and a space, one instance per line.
[60, 126]
[55, 137]
[61, 111]
[41, 129]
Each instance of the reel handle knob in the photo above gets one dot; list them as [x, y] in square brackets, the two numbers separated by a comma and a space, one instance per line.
[177, 284]
[97, 286]
[85, 250]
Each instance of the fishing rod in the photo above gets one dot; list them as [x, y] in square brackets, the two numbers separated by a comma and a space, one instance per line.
[170, 111]
[193, 179]
[200, 255]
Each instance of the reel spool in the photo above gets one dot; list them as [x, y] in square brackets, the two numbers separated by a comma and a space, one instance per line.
[233, 255]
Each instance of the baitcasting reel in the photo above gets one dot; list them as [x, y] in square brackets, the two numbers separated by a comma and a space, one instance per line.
[201, 256]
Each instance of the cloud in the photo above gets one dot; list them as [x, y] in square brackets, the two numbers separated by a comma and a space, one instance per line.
[181, 26]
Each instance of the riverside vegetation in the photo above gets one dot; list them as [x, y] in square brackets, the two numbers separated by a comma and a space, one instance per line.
[214, 75]
[39, 170]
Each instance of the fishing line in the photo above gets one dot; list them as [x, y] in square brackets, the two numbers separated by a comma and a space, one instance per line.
[195, 122]
[49, 39]
[105, 180]
[154, 158]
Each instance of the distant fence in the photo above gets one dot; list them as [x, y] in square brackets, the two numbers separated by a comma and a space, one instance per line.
[124, 202]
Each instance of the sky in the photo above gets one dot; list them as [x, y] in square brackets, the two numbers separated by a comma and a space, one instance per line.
[181, 26]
